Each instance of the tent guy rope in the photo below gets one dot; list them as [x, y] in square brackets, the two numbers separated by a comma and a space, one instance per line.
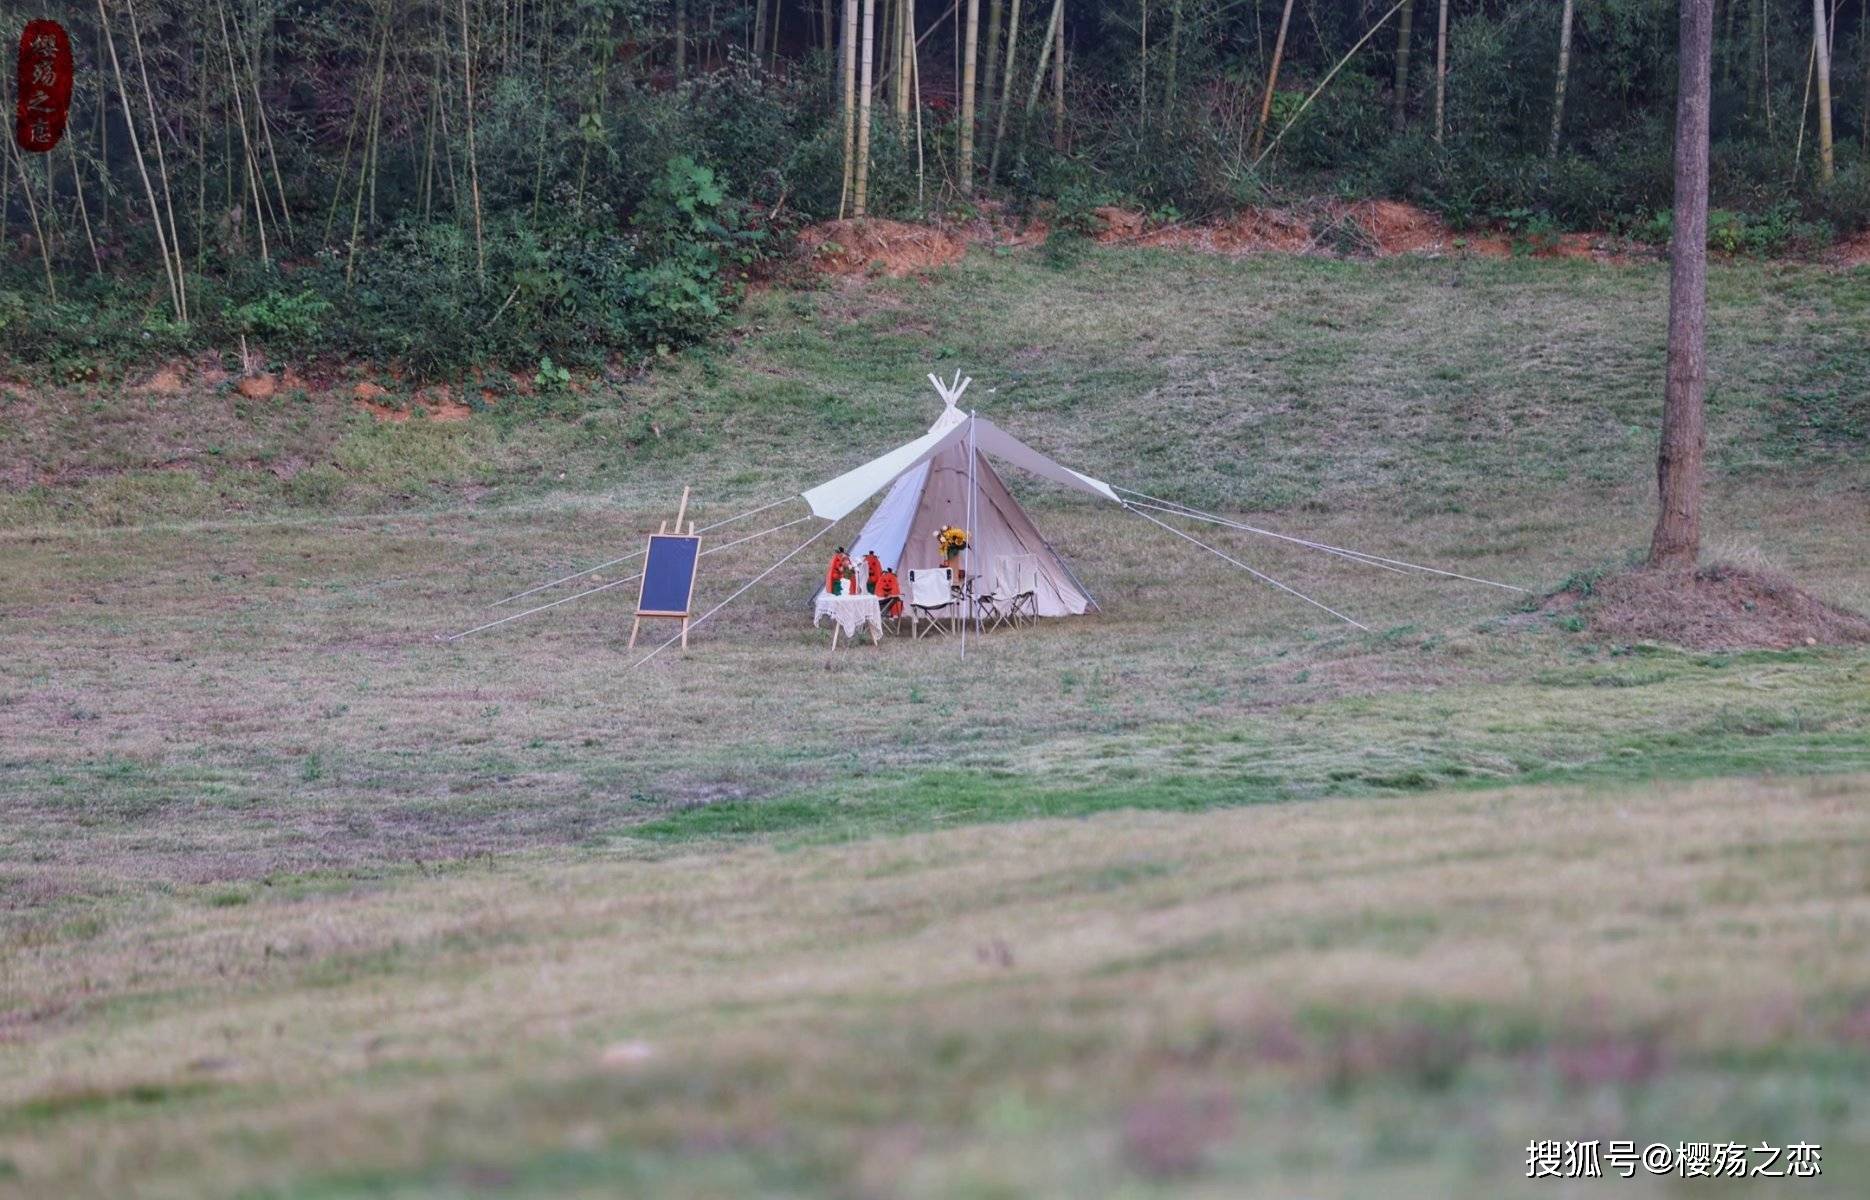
[635, 554]
[1372, 559]
[1261, 575]
[829, 526]
[604, 587]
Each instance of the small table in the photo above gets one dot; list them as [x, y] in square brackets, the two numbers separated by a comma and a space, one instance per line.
[849, 613]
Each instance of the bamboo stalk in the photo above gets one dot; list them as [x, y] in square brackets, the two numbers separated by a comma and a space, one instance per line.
[467, 67]
[32, 211]
[1058, 90]
[367, 168]
[1272, 78]
[1326, 81]
[162, 166]
[915, 69]
[850, 105]
[1441, 67]
[965, 165]
[861, 188]
[84, 215]
[1821, 57]
[1045, 55]
[1006, 91]
[142, 169]
[1564, 76]
[246, 145]
[266, 133]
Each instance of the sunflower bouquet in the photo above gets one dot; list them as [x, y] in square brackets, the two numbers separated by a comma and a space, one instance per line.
[951, 541]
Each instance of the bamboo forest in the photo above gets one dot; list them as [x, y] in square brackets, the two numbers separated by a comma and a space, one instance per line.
[443, 182]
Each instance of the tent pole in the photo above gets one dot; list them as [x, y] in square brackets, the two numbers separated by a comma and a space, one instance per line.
[973, 488]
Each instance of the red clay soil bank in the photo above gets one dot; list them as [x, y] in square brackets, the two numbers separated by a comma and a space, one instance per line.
[1714, 608]
[1853, 252]
[894, 248]
[1379, 228]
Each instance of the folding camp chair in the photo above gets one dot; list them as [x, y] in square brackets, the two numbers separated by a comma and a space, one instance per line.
[1015, 590]
[931, 592]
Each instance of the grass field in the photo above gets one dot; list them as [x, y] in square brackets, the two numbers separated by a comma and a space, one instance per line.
[296, 901]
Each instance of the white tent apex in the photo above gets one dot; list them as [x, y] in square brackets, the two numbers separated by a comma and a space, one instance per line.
[951, 391]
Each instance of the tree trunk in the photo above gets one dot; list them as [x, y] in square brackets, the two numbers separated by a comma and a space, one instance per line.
[860, 190]
[1441, 68]
[970, 40]
[1405, 27]
[1272, 77]
[1564, 75]
[1821, 48]
[1676, 544]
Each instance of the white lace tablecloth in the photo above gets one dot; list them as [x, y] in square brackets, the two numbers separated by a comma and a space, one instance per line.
[849, 612]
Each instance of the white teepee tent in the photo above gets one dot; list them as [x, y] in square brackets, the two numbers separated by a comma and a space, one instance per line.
[944, 478]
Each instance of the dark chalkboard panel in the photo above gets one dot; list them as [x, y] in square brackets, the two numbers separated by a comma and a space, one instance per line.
[668, 576]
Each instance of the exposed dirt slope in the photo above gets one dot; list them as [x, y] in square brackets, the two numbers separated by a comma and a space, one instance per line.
[1378, 228]
[895, 248]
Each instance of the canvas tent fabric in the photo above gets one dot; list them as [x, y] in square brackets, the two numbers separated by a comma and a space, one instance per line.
[929, 487]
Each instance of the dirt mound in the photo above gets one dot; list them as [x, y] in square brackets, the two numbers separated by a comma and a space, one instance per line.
[875, 246]
[1715, 608]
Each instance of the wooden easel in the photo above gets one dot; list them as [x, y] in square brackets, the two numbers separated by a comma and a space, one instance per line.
[685, 612]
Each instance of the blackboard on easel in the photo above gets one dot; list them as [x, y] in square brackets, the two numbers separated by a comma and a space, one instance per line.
[668, 586]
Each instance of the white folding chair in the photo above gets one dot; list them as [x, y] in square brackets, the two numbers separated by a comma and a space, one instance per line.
[931, 593]
[1015, 590]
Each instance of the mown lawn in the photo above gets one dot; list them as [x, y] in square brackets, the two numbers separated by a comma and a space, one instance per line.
[297, 901]
[1381, 996]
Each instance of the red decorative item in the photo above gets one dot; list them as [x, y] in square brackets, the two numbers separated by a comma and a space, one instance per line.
[44, 80]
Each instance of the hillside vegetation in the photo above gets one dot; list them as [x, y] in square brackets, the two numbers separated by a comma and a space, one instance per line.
[440, 185]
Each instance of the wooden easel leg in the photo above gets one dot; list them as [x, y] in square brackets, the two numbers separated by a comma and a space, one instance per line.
[634, 627]
[684, 633]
